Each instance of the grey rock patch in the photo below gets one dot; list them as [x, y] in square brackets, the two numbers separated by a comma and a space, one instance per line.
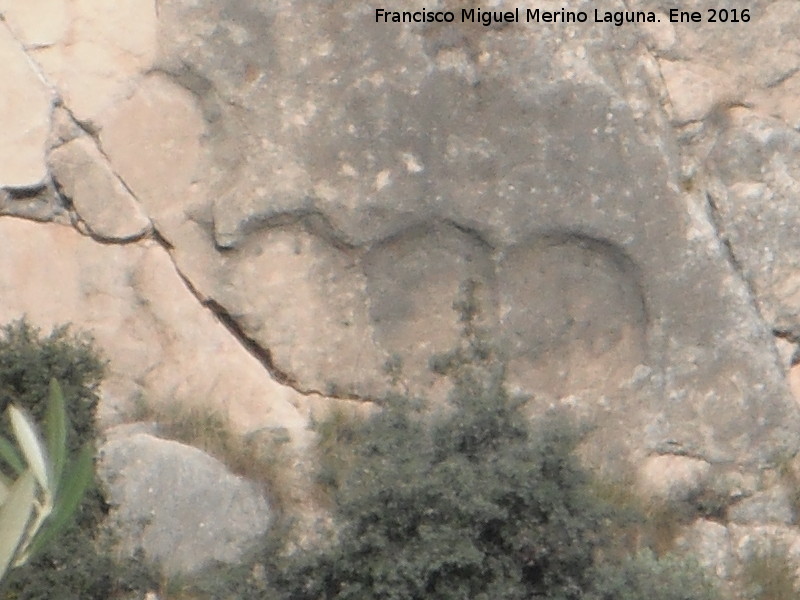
[413, 279]
[36, 203]
[770, 506]
[574, 315]
[754, 188]
[63, 127]
[750, 541]
[180, 506]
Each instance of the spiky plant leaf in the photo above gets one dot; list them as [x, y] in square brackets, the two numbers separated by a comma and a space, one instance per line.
[56, 424]
[15, 514]
[32, 448]
[77, 477]
[9, 454]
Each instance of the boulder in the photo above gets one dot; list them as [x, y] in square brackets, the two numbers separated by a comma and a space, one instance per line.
[178, 505]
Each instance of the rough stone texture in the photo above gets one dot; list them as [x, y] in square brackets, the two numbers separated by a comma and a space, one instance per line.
[711, 543]
[24, 117]
[694, 90]
[770, 506]
[183, 508]
[100, 199]
[39, 203]
[321, 189]
[588, 250]
[723, 550]
[673, 478]
[754, 190]
[162, 345]
[92, 51]
[750, 541]
[794, 381]
[153, 140]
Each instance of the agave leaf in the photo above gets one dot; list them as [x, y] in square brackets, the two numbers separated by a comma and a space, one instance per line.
[31, 445]
[14, 516]
[77, 477]
[56, 424]
[5, 488]
[9, 454]
[23, 552]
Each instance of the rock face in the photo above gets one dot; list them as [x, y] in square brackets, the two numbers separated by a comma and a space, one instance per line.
[26, 119]
[85, 177]
[128, 294]
[178, 505]
[671, 478]
[259, 206]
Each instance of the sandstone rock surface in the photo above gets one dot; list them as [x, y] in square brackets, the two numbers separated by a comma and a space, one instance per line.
[91, 51]
[770, 506]
[100, 199]
[587, 251]
[711, 542]
[158, 339]
[673, 478]
[259, 207]
[24, 117]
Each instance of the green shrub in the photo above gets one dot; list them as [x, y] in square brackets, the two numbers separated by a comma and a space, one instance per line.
[338, 435]
[28, 361]
[644, 576]
[478, 504]
[475, 503]
[73, 567]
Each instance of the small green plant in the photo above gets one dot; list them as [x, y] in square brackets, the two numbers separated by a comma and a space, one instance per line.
[49, 485]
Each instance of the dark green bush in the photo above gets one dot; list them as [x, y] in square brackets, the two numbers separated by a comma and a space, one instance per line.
[27, 363]
[476, 503]
[72, 566]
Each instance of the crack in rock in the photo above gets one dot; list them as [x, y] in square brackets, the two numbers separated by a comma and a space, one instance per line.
[718, 226]
[261, 354]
